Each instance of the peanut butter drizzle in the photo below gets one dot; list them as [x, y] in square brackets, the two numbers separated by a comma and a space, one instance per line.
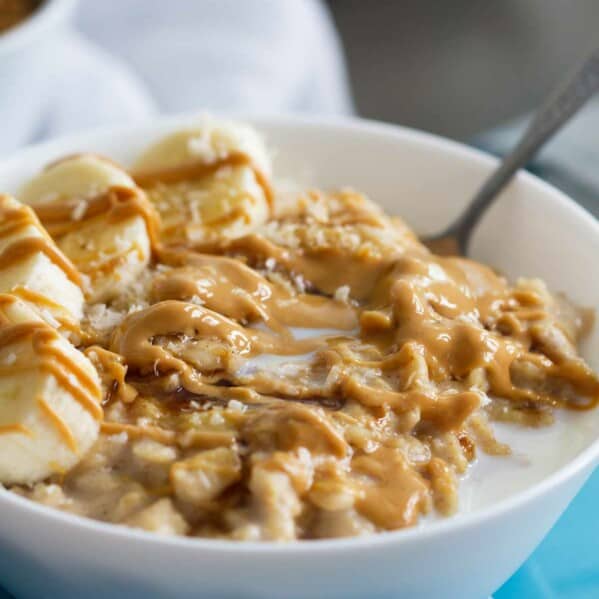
[24, 248]
[36, 298]
[14, 221]
[418, 297]
[239, 292]
[52, 360]
[18, 219]
[396, 495]
[134, 340]
[407, 314]
[152, 432]
[85, 391]
[112, 371]
[59, 424]
[201, 169]
[289, 425]
[323, 270]
[116, 204]
[442, 305]
[20, 429]
[66, 322]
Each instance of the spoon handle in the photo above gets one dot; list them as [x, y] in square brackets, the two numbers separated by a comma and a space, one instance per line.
[564, 102]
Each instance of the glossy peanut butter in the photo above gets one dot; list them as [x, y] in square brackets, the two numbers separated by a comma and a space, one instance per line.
[444, 309]
[323, 374]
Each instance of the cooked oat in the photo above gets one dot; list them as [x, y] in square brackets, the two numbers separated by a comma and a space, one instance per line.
[318, 374]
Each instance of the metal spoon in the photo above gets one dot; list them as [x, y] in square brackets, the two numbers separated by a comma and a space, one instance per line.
[561, 104]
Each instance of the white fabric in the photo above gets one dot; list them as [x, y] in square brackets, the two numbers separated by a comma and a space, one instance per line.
[91, 88]
[244, 54]
[126, 60]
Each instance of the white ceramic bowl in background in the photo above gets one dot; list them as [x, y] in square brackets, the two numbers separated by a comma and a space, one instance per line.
[534, 230]
[25, 61]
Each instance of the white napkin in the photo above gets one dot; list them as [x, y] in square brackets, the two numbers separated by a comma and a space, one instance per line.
[255, 55]
[92, 88]
[128, 60]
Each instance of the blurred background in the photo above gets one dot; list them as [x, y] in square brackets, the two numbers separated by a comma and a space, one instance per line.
[471, 70]
[468, 69]
[458, 68]
[474, 71]
[454, 68]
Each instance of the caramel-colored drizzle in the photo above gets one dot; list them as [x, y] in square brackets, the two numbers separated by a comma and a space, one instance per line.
[59, 424]
[237, 291]
[134, 340]
[413, 327]
[55, 362]
[404, 301]
[153, 432]
[18, 219]
[116, 204]
[112, 371]
[201, 169]
[36, 298]
[33, 297]
[21, 429]
[51, 360]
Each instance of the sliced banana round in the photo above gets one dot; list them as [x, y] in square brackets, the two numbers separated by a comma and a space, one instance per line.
[208, 181]
[208, 141]
[50, 397]
[34, 269]
[100, 219]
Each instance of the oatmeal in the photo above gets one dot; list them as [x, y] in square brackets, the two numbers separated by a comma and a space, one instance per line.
[268, 367]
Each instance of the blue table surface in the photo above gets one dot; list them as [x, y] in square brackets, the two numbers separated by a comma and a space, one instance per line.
[566, 564]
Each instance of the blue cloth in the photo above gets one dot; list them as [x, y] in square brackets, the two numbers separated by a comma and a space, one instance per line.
[566, 564]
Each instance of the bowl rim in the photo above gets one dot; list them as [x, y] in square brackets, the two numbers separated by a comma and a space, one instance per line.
[587, 459]
[48, 15]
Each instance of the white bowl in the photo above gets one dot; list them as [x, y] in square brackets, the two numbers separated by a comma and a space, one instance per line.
[508, 505]
[27, 70]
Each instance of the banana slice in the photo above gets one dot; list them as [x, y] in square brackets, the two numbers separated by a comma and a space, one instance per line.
[49, 397]
[100, 219]
[34, 269]
[207, 182]
[208, 141]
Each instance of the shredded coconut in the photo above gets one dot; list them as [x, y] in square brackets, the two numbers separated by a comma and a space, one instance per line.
[200, 145]
[299, 283]
[103, 318]
[9, 359]
[79, 210]
[119, 438]
[236, 406]
[121, 245]
[342, 294]
[50, 196]
[49, 318]
[216, 419]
